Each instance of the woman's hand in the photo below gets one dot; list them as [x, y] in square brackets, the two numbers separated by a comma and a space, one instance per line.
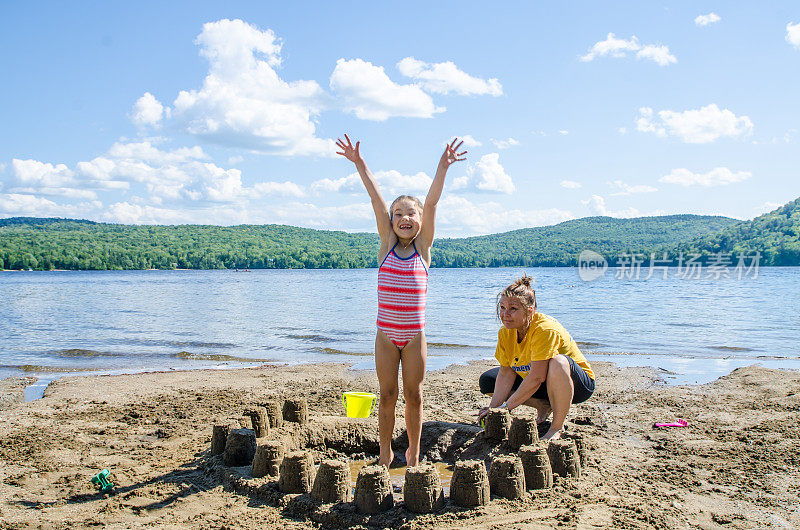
[451, 154]
[348, 151]
[482, 413]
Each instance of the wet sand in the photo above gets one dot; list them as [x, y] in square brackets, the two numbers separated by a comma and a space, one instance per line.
[737, 465]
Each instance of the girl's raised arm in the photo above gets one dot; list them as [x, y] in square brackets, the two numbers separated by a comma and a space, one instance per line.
[351, 152]
[449, 157]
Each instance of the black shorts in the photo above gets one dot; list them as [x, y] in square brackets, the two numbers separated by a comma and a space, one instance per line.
[583, 384]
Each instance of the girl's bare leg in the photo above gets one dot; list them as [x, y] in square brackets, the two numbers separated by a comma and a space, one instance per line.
[414, 357]
[560, 391]
[387, 361]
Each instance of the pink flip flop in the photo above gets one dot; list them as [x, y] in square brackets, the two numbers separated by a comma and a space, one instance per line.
[677, 423]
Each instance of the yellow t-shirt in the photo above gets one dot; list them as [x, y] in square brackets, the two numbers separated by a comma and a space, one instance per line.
[545, 339]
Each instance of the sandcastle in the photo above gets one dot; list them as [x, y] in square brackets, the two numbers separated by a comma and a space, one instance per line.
[260, 420]
[274, 408]
[267, 461]
[218, 438]
[580, 444]
[507, 478]
[536, 465]
[282, 426]
[240, 447]
[296, 411]
[523, 431]
[296, 473]
[422, 492]
[469, 486]
[373, 490]
[564, 458]
[498, 423]
[332, 483]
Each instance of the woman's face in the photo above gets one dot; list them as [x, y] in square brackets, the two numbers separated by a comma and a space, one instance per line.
[513, 314]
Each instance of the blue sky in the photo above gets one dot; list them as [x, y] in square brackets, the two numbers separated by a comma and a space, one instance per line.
[203, 112]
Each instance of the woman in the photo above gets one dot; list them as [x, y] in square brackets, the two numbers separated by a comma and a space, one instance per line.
[540, 364]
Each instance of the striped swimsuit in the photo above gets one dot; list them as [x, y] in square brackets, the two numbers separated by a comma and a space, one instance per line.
[402, 291]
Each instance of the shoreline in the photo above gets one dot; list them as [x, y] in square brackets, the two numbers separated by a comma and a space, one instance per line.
[729, 362]
[153, 432]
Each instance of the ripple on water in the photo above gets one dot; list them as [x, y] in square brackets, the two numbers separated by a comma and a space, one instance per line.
[309, 337]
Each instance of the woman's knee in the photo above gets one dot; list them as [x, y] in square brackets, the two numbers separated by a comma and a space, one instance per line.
[487, 381]
[558, 365]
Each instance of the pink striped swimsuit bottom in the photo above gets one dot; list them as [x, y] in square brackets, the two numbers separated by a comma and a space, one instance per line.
[402, 292]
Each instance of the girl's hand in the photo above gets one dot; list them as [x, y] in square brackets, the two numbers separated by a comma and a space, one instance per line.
[348, 151]
[451, 154]
[483, 412]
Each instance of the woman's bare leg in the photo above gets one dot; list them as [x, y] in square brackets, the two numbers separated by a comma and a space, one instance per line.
[542, 408]
[387, 361]
[414, 357]
[560, 391]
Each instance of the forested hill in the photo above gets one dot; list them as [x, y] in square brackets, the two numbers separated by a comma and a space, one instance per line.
[560, 245]
[45, 244]
[775, 234]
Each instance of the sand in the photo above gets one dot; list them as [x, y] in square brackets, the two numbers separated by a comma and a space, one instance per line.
[737, 465]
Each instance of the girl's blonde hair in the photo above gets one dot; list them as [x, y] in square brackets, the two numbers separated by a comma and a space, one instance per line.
[522, 292]
[417, 204]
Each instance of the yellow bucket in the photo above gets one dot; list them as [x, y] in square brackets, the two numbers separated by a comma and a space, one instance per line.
[358, 404]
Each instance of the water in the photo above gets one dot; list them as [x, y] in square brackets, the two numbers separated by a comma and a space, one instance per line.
[61, 323]
[397, 475]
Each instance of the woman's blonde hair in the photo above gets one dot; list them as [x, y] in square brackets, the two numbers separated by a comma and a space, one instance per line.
[522, 292]
[417, 204]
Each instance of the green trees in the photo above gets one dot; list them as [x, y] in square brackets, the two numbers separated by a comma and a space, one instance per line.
[46, 244]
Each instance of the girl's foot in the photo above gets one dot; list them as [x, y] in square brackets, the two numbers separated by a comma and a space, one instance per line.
[411, 462]
[386, 461]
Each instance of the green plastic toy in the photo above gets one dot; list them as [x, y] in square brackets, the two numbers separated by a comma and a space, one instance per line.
[101, 480]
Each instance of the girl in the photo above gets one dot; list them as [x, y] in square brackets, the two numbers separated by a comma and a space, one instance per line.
[406, 232]
[540, 364]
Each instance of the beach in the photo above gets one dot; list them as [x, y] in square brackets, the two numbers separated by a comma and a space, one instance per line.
[736, 465]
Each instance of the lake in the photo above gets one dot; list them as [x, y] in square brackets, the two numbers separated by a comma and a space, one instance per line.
[68, 322]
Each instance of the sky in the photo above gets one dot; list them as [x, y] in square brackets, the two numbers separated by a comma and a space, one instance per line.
[226, 113]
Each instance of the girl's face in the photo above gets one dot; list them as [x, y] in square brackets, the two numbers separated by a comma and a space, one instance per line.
[513, 314]
[406, 220]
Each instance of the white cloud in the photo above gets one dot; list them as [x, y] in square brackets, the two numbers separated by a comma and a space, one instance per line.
[243, 101]
[619, 48]
[468, 140]
[793, 34]
[597, 206]
[446, 78]
[24, 204]
[563, 132]
[490, 175]
[33, 172]
[622, 130]
[658, 54]
[699, 126]
[627, 189]
[705, 20]
[457, 216]
[719, 176]
[233, 160]
[148, 111]
[504, 144]
[391, 182]
[284, 189]
[571, 184]
[367, 91]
